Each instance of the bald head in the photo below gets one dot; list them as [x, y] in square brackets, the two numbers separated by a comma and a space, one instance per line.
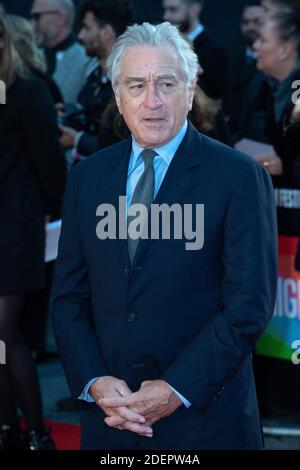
[53, 20]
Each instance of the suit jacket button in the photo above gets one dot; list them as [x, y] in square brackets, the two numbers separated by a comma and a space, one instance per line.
[131, 317]
[126, 269]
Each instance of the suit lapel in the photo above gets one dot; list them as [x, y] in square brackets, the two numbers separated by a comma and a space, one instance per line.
[181, 177]
[115, 187]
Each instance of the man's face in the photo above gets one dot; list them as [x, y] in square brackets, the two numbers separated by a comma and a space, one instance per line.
[269, 49]
[153, 96]
[46, 21]
[177, 12]
[91, 36]
[251, 23]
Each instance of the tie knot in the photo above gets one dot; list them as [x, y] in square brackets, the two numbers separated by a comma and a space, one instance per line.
[148, 156]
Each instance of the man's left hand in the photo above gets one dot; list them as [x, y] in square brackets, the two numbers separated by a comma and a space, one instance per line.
[154, 400]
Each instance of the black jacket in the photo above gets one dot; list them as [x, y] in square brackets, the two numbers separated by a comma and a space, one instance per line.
[213, 60]
[32, 176]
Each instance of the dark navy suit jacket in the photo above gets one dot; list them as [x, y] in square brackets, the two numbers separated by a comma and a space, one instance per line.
[189, 317]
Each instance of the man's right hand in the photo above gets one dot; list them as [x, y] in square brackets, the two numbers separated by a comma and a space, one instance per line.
[125, 418]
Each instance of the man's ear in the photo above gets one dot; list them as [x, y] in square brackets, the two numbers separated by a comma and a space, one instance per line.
[108, 33]
[286, 49]
[196, 10]
[61, 18]
[191, 93]
[118, 101]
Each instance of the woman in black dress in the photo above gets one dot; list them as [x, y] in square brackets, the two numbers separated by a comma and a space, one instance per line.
[278, 50]
[32, 176]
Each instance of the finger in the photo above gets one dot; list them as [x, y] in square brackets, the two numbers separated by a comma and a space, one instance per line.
[140, 429]
[116, 421]
[116, 402]
[123, 389]
[130, 415]
[118, 427]
[124, 413]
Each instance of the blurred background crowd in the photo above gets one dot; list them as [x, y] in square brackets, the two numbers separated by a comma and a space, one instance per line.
[60, 109]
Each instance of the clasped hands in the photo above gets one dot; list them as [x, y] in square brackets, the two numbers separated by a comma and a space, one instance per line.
[138, 411]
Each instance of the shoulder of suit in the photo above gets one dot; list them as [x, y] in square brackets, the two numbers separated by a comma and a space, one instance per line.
[222, 156]
[101, 159]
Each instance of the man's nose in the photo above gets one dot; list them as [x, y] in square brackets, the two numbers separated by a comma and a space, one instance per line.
[152, 99]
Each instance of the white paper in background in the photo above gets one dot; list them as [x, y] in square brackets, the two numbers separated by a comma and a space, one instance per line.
[52, 237]
[254, 148]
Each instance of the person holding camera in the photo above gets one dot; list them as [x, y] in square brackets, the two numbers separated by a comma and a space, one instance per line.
[102, 23]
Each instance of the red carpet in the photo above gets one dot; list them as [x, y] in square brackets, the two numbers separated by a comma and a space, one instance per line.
[66, 436]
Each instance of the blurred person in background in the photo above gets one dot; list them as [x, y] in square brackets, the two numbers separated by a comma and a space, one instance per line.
[212, 59]
[68, 64]
[252, 17]
[24, 39]
[32, 177]
[278, 56]
[275, 6]
[101, 24]
[34, 317]
[243, 72]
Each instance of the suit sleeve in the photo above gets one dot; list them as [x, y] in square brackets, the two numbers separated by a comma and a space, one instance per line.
[249, 258]
[73, 326]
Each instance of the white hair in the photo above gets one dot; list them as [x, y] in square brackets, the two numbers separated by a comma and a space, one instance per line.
[69, 8]
[162, 35]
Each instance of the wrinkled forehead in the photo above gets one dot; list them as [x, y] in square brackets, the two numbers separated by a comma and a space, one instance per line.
[147, 61]
[43, 4]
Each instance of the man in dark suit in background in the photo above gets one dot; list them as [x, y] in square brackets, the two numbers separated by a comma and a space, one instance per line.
[213, 61]
[68, 64]
[156, 332]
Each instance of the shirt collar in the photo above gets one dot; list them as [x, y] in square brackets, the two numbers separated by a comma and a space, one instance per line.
[166, 152]
[195, 33]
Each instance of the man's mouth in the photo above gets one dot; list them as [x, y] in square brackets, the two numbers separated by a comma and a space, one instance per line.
[153, 119]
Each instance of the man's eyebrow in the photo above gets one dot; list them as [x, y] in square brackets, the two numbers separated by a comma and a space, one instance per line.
[129, 80]
[165, 76]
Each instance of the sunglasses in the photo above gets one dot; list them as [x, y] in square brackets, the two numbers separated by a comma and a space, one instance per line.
[35, 16]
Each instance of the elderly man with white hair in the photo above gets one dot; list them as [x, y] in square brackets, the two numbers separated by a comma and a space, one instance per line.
[67, 62]
[156, 318]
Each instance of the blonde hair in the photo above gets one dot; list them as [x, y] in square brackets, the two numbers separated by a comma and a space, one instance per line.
[11, 64]
[24, 39]
[204, 111]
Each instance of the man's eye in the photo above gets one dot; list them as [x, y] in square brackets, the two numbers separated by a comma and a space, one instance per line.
[167, 85]
[137, 87]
